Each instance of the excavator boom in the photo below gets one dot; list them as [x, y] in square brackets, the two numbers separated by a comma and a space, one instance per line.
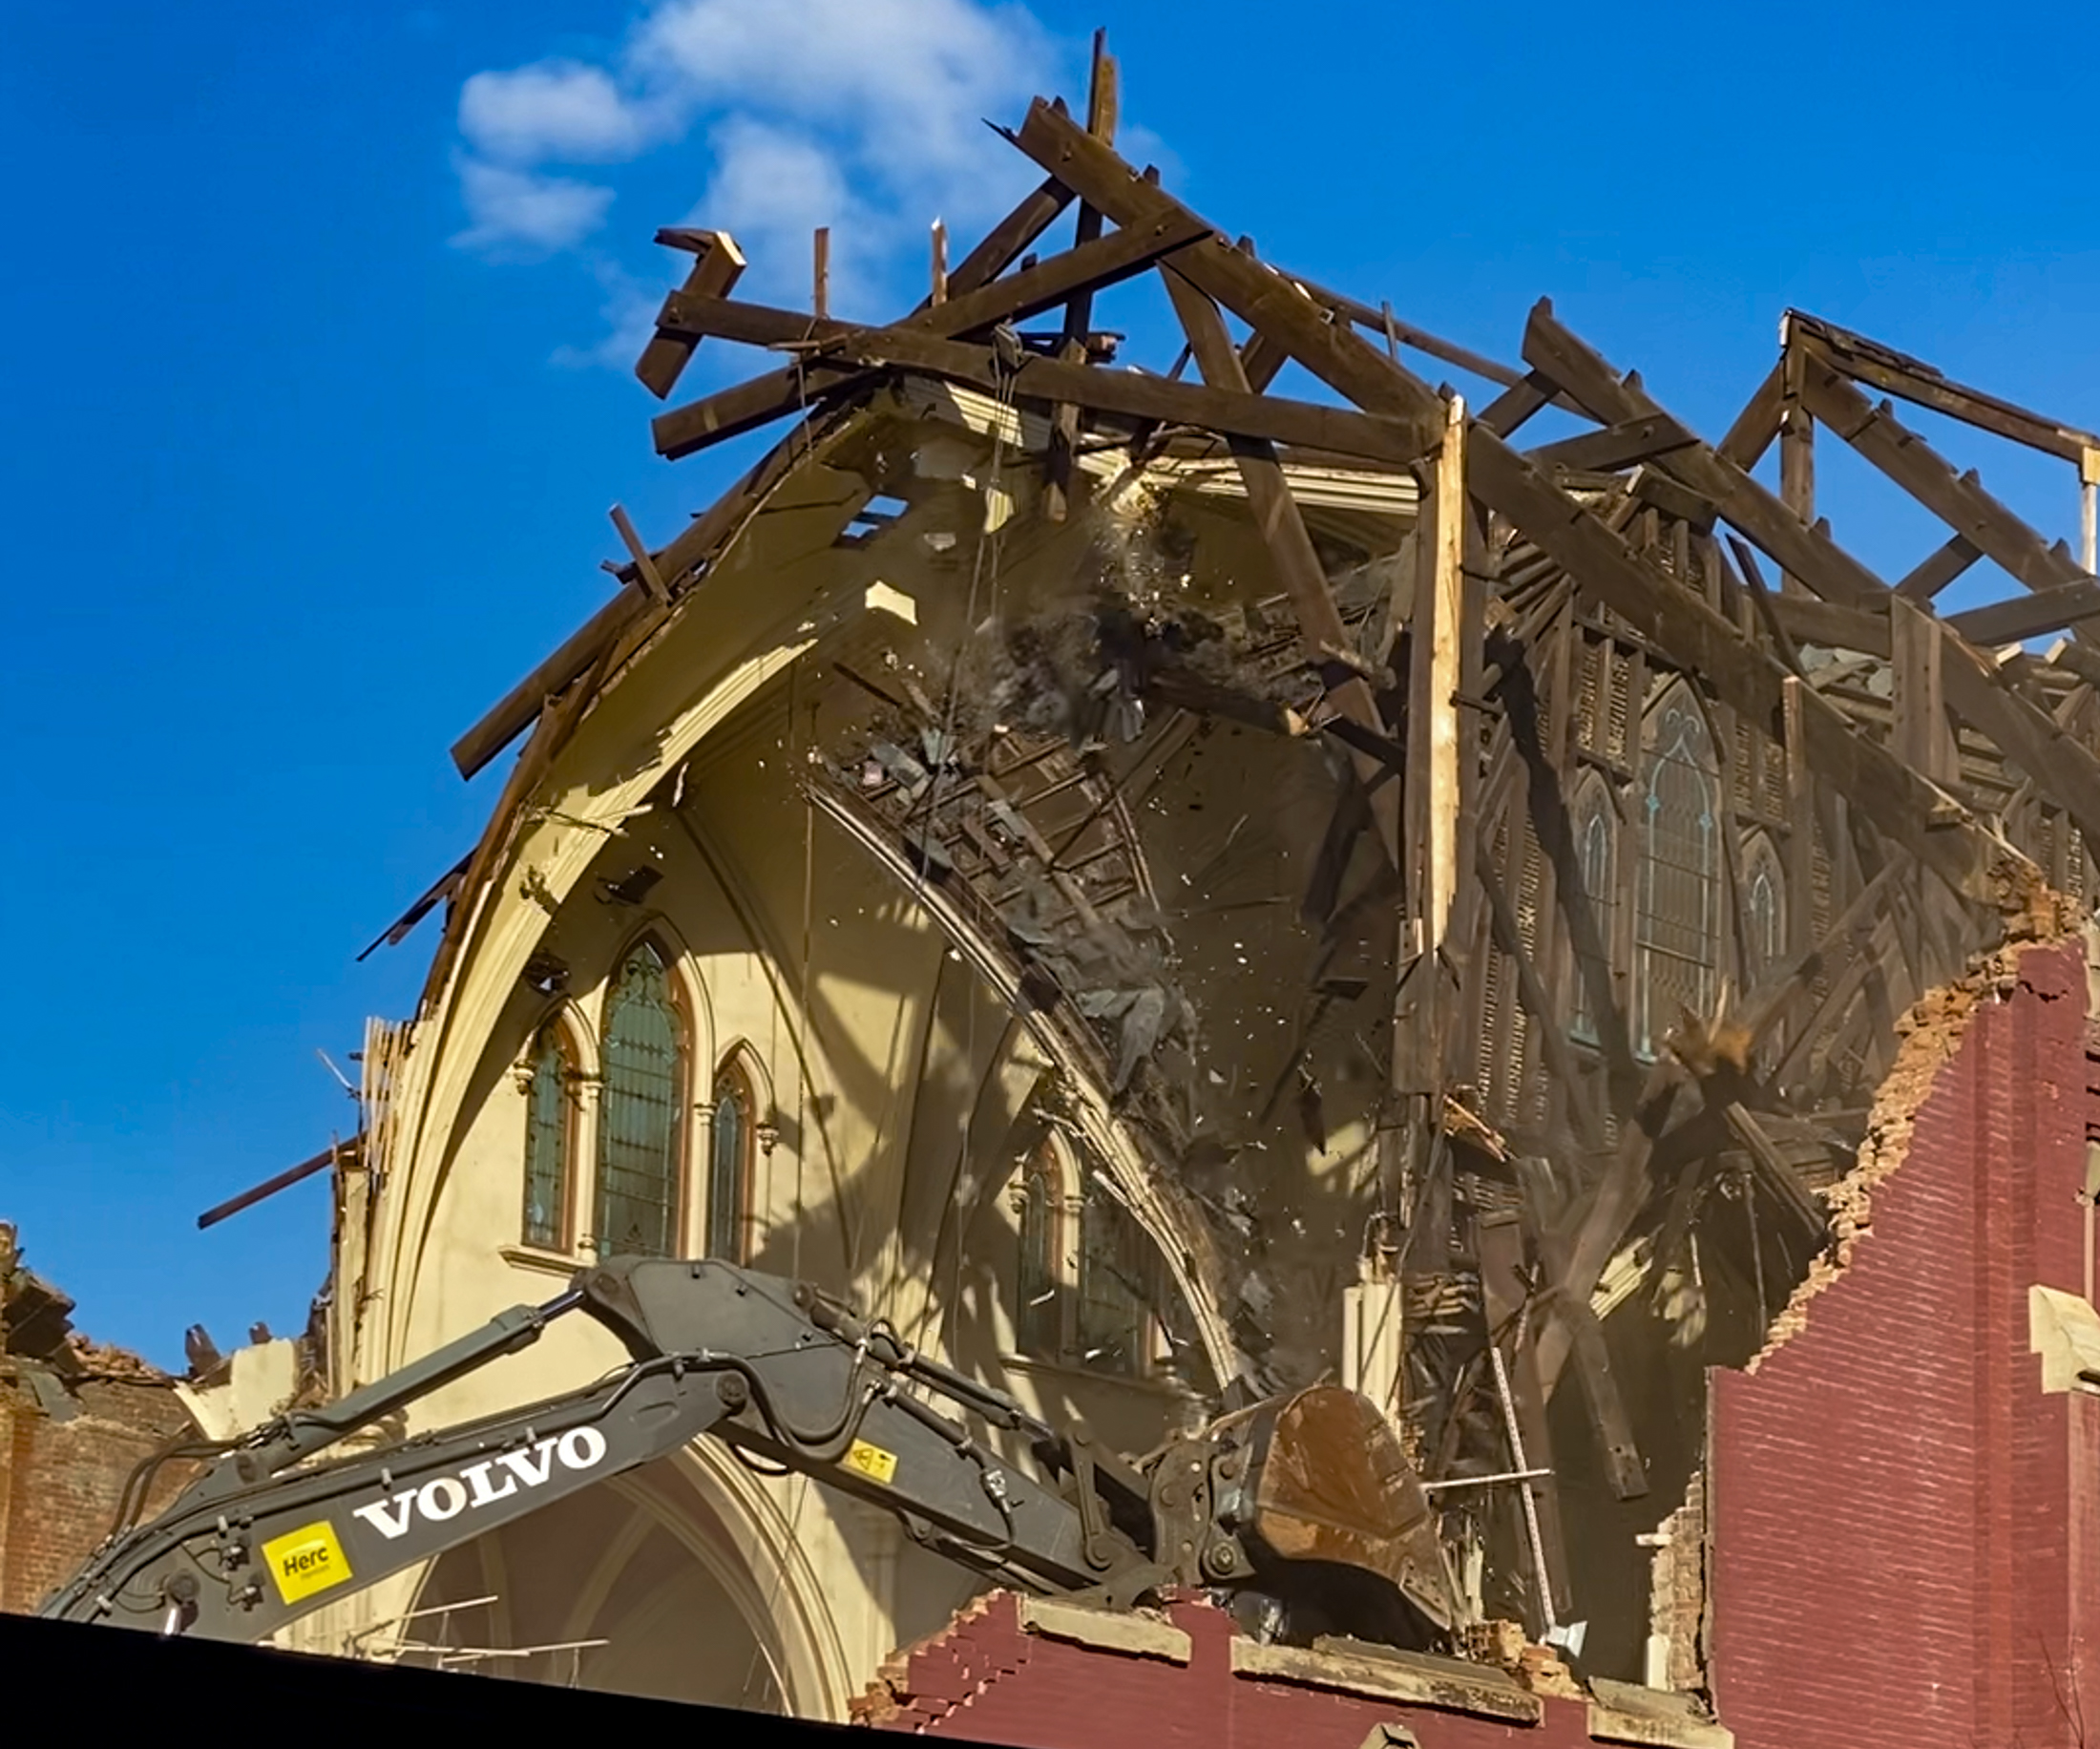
[272, 1530]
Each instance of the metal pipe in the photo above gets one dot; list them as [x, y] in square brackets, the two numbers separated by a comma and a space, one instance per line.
[1531, 1505]
[1506, 1475]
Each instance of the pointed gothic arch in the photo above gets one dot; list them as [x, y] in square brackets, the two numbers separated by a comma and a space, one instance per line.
[646, 1041]
[739, 1108]
[1678, 911]
[1593, 825]
[1764, 910]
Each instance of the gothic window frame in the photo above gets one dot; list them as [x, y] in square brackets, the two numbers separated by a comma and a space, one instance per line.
[687, 1045]
[1062, 1334]
[1044, 1271]
[1101, 1220]
[1670, 945]
[557, 1039]
[1593, 820]
[1763, 871]
[732, 1235]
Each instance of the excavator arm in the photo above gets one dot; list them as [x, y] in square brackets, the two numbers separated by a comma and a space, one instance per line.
[273, 1529]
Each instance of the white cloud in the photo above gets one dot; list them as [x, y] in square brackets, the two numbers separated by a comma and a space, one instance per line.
[519, 213]
[902, 84]
[860, 114]
[559, 110]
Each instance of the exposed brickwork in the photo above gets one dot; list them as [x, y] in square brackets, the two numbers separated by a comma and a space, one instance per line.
[75, 1418]
[984, 1677]
[60, 1479]
[1905, 1544]
[1677, 1597]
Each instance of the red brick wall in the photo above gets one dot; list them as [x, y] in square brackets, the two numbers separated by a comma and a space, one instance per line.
[988, 1679]
[60, 1479]
[1906, 1531]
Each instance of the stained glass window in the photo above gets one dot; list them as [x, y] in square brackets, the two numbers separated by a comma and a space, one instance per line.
[729, 1167]
[1596, 828]
[1677, 935]
[1116, 1279]
[1038, 1313]
[639, 1131]
[1764, 911]
[550, 1138]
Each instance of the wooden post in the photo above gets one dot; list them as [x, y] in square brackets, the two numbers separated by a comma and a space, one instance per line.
[1801, 858]
[2088, 525]
[940, 292]
[820, 298]
[1923, 739]
[1078, 312]
[1797, 447]
[1446, 609]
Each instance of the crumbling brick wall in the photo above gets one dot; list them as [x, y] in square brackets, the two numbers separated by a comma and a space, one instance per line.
[75, 1419]
[1677, 1597]
[990, 1676]
[1906, 1530]
[60, 1479]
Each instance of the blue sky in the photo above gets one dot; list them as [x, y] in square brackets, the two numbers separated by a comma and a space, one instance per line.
[313, 398]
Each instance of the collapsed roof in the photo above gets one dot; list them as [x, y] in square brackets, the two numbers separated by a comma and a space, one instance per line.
[1308, 764]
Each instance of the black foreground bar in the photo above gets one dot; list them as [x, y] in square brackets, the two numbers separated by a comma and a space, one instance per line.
[134, 1676]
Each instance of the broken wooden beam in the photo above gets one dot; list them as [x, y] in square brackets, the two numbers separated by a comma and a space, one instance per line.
[1976, 690]
[856, 354]
[1959, 500]
[2030, 616]
[1614, 446]
[1909, 379]
[1289, 547]
[730, 411]
[714, 274]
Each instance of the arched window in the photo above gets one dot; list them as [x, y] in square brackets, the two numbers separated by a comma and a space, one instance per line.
[1039, 1296]
[1677, 933]
[1117, 1283]
[1764, 911]
[641, 1133]
[550, 1140]
[729, 1145]
[1595, 824]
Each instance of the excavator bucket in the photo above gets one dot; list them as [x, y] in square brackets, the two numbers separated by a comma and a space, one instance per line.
[1340, 1524]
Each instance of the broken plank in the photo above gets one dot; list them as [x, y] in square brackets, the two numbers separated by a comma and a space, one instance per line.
[1740, 675]
[1615, 446]
[1923, 736]
[715, 274]
[1759, 423]
[1805, 620]
[1504, 1292]
[1289, 547]
[1977, 691]
[1912, 380]
[1008, 240]
[1262, 298]
[1131, 394]
[1516, 404]
[1940, 569]
[1104, 261]
[1958, 500]
[2030, 616]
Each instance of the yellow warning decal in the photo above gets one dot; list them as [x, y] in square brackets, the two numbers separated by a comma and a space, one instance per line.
[307, 1560]
[872, 1462]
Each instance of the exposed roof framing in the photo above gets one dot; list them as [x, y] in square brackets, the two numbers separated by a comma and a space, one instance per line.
[1862, 738]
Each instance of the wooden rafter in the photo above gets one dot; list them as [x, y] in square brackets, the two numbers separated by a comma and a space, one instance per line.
[1975, 689]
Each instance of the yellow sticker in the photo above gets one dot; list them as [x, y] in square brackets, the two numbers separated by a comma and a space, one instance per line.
[307, 1560]
[873, 1462]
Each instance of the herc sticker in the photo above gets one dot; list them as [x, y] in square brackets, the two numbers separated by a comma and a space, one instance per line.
[872, 1462]
[305, 1560]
